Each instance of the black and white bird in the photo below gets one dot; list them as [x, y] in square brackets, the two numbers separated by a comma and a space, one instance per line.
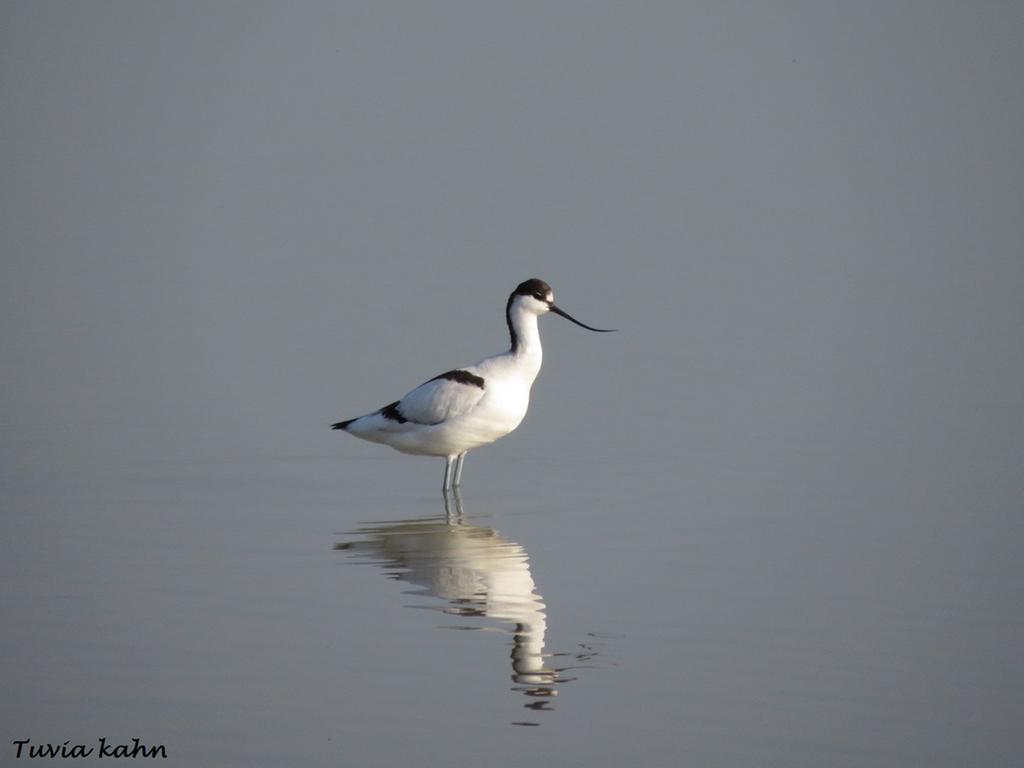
[465, 408]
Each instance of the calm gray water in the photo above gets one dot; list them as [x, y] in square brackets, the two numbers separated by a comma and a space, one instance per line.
[247, 608]
[776, 520]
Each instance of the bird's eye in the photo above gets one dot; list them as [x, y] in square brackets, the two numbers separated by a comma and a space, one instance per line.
[540, 297]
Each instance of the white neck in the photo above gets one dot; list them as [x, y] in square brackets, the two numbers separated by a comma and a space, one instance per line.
[525, 337]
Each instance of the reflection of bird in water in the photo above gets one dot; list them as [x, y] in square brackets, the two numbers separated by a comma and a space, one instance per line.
[479, 573]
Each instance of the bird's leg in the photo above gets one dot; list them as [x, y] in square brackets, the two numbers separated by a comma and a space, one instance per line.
[458, 469]
[453, 513]
[459, 514]
[449, 464]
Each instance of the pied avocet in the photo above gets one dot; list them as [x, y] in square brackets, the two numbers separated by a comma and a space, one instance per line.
[465, 408]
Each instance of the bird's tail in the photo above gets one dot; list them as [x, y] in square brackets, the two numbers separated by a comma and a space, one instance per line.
[342, 424]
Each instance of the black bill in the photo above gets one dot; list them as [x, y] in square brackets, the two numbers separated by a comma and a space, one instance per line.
[567, 316]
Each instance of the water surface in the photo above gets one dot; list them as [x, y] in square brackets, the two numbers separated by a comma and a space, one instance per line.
[249, 608]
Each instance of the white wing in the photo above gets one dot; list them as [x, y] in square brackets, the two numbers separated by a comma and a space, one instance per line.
[445, 397]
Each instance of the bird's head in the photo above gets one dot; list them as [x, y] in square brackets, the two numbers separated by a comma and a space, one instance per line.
[536, 297]
[533, 295]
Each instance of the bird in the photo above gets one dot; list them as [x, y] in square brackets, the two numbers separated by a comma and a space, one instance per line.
[465, 408]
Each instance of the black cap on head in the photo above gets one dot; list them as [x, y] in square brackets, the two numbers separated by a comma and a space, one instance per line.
[533, 287]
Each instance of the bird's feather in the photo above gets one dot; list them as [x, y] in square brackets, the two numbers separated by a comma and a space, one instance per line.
[442, 398]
